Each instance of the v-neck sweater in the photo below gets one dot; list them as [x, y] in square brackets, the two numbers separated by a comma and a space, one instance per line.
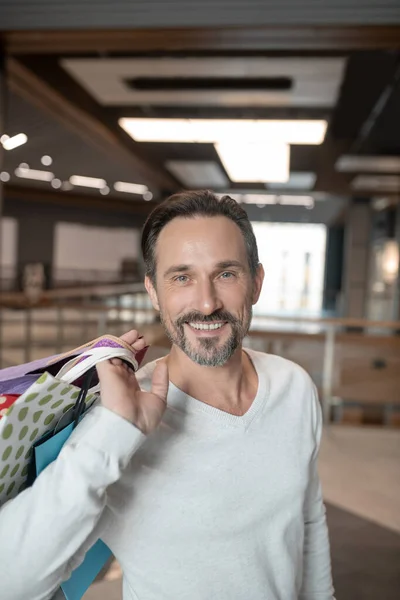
[209, 506]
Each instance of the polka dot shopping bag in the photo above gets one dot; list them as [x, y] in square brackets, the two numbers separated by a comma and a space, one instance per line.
[40, 408]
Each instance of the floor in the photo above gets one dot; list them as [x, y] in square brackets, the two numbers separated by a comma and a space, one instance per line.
[360, 474]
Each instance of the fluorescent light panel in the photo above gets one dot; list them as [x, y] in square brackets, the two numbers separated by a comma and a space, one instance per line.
[256, 162]
[130, 188]
[34, 174]
[91, 182]
[284, 200]
[307, 201]
[368, 164]
[383, 183]
[9, 143]
[213, 131]
[198, 173]
[297, 181]
[259, 199]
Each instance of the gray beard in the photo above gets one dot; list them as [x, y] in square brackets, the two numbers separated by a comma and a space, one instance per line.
[209, 354]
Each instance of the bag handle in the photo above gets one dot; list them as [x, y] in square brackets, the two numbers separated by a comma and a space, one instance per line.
[73, 370]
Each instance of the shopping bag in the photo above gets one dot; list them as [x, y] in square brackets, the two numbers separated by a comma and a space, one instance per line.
[41, 406]
[17, 379]
[97, 556]
[39, 422]
[6, 401]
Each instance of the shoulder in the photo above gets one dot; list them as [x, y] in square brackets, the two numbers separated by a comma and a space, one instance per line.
[291, 391]
[280, 370]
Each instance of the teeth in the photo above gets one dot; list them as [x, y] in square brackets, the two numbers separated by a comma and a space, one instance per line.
[205, 326]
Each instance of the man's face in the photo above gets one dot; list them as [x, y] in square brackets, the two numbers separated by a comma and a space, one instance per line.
[204, 290]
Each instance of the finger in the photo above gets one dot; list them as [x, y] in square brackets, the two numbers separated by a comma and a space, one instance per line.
[116, 362]
[103, 368]
[139, 344]
[160, 381]
[130, 336]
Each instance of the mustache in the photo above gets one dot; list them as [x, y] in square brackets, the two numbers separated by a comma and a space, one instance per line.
[196, 317]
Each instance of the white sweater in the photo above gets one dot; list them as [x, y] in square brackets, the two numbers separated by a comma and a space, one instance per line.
[209, 506]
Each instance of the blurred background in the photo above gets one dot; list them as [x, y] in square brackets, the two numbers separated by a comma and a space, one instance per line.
[293, 108]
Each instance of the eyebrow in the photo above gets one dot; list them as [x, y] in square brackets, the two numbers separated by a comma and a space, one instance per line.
[225, 264]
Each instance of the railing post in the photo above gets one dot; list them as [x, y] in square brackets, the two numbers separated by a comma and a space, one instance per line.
[327, 374]
[60, 330]
[28, 335]
[102, 323]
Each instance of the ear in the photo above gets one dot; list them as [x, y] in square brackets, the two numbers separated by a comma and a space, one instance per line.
[151, 292]
[257, 283]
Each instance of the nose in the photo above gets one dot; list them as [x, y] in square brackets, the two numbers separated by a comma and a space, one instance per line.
[207, 299]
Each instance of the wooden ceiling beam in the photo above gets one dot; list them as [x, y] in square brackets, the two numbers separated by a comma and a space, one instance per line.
[302, 38]
[28, 85]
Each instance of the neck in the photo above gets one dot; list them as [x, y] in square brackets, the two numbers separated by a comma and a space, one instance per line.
[231, 388]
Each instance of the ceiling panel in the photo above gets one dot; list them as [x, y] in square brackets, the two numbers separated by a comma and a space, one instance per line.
[57, 14]
[313, 82]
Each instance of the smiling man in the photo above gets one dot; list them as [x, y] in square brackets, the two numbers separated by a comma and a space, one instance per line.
[200, 472]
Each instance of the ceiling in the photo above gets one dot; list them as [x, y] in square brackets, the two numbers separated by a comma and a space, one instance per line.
[68, 99]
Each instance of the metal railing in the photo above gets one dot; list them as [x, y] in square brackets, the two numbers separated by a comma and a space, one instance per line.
[69, 317]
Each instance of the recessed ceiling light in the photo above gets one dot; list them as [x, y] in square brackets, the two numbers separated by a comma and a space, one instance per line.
[259, 199]
[258, 162]
[196, 173]
[147, 196]
[213, 131]
[130, 188]
[56, 183]
[13, 142]
[34, 174]
[297, 181]
[307, 201]
[379, 204]
[91, 182]
[4, 176]
[46, 160]
[105, 190]
[368, 164]
[383, 183]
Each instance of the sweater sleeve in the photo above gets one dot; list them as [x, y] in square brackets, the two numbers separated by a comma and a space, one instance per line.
[317, 578]
[46, 530]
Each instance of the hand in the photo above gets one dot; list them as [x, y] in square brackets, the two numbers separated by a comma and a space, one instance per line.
[120, 391]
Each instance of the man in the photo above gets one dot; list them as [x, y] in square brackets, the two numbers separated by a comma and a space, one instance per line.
[200, 472]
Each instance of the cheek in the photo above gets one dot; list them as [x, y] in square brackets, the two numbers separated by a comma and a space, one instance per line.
[173, 303]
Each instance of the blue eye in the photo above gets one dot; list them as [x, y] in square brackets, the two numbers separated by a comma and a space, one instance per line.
[181, 278]
[227, 275]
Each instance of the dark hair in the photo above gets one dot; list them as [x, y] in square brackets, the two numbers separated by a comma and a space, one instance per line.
[191, 204]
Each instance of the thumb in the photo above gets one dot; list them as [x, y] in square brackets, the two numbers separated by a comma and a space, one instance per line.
[160, 381]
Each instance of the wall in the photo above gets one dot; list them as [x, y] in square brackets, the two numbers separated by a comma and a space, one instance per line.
[37, 224]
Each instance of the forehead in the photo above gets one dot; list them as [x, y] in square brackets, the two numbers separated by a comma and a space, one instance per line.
[199, 240]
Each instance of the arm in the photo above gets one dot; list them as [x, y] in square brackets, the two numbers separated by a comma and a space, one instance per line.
[46, 530]
[317, 578]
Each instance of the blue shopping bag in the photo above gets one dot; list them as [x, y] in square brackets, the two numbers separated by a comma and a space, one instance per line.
[45, 452]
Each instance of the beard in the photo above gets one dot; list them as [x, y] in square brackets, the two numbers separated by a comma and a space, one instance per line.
[208, 351]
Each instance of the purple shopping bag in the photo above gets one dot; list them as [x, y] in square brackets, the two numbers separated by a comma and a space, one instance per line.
[16, 380]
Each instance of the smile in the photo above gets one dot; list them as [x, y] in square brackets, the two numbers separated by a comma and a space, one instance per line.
[206, 326]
